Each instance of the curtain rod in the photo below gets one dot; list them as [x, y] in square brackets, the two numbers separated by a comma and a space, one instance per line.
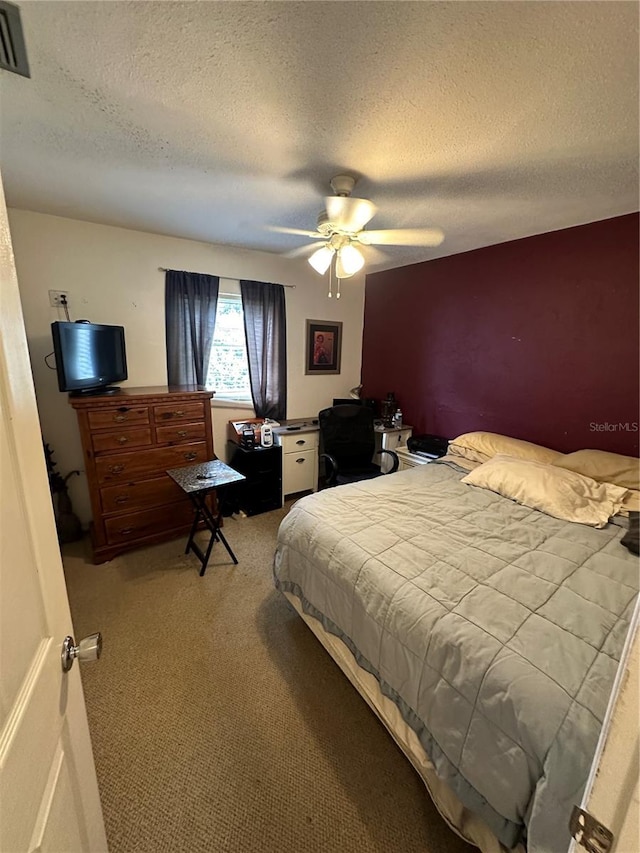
[164, 269]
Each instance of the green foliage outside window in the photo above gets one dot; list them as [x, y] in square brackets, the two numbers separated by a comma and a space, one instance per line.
[228, 372]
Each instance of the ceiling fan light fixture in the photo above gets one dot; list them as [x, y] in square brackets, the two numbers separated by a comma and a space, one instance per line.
[321, 259]
[340, 228]
[348, 261]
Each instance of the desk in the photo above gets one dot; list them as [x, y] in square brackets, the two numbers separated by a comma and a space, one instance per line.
[299, 443]
[412, 460]
[390, 438]
[196, 481]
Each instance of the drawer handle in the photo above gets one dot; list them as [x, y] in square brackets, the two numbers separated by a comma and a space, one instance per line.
[190, 456]
[123, 439]
[301, 441]
[300, 461]
[178, 414]
[122, 499]
[125, 531]
[120, 418]
[116, 469]
[182, 433]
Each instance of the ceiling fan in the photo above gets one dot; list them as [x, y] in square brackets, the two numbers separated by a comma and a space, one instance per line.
[341, 228]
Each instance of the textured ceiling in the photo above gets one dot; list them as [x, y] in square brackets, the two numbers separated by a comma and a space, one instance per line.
[210, 120]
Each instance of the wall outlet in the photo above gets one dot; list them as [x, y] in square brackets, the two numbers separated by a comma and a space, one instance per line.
[57, 298]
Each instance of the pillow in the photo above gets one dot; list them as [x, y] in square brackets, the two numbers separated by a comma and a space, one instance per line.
[460, 461]
[466, 454]
[560, 493]
[482, 446]
[603, 467]
[631, 503]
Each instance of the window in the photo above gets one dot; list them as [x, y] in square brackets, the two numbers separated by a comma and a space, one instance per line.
[228, 373]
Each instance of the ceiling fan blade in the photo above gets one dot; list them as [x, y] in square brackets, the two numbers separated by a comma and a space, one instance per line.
[403, 237]
[373, 255]
[349, 214]
[301, 251]
[279, 229]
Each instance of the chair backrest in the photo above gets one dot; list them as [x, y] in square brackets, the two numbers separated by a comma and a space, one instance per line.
[347, 434]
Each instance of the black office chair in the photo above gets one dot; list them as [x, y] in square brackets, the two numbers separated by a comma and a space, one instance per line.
[348, 443]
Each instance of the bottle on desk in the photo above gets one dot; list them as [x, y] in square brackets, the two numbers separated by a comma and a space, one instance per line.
[397, 419]
[266, 435]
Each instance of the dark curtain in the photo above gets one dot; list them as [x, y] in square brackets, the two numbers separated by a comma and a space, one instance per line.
[191, 300]
[265, 330]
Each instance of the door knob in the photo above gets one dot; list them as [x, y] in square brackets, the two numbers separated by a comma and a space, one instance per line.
[90, 648]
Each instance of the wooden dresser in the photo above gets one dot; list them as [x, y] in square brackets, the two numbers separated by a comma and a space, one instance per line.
[129, 441]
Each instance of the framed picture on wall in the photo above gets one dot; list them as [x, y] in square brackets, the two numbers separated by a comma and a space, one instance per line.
[324, 345]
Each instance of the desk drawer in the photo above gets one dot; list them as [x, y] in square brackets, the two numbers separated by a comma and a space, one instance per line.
[299, 471]
[179, 433]
[123, 415]
[127, 497]
[292, 442]
[121, 440]
[179, 412]
[123, 467]
[255, 503]
[136, 525]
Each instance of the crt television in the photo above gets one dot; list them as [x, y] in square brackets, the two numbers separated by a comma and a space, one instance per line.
[89, 357]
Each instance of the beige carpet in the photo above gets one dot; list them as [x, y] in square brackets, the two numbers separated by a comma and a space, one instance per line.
[220, 724]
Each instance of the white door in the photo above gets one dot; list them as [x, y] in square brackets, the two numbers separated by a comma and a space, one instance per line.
[48, 790]
[612, 794]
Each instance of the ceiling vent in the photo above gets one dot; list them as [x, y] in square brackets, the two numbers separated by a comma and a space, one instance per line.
[13, 53]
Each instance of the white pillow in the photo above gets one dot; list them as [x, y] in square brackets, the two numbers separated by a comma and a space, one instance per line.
[631, 502]
[560, 493]
[603, 467]
[482, 446]
[460, 461]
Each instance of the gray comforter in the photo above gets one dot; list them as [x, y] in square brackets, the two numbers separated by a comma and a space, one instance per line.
[495, 628]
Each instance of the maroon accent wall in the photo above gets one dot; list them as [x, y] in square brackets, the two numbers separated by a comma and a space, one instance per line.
[536, 338]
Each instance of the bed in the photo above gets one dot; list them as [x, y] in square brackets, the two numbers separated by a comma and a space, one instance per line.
[484, 633]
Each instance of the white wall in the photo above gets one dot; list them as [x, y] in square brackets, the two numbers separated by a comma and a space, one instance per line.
[112, 276]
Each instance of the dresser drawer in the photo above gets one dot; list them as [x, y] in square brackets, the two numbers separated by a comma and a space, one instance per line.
[127, 497]
[121, 440]
[122, 467]
[178, 412]
[136, 525]
[129, 441]
[292, 442]
[298, 470]
[123, 415]
[178, 433]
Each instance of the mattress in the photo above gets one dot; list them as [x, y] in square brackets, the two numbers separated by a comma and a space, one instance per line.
[494, 629]
[463, 822]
